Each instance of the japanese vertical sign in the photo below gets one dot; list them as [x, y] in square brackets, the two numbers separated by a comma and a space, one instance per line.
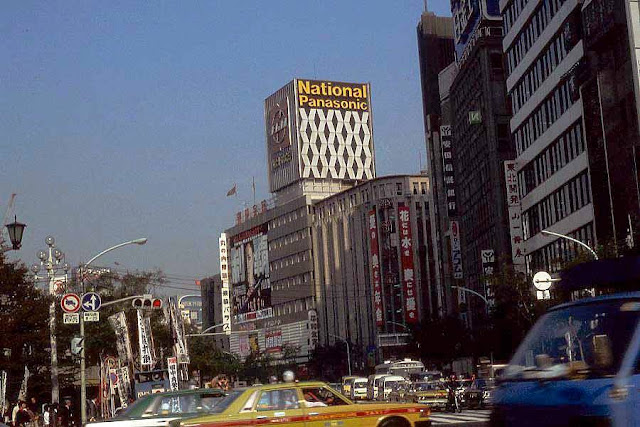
[146, 358]
[172, 367]
[313, 329]
[514, 211]
[178, 327]
[224, 276]
[406, 261]
[447, 168]
[119, 324]
[375, 268]
[125, 382]
[456, 250]
[488, 257]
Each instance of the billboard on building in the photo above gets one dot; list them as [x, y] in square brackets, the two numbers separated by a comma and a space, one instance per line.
[406, 260]
[515, 210]
[467, 15]
[319, 129]
[250, 285]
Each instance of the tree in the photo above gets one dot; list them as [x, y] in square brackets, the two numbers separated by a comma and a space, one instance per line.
[24, 329]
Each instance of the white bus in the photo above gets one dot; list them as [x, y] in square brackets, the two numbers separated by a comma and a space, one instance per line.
[403, 368]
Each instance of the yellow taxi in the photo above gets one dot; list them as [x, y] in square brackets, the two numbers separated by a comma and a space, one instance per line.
[305, 404]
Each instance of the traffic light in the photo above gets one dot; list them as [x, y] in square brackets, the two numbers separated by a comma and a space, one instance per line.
[76, 346]
[147, 303]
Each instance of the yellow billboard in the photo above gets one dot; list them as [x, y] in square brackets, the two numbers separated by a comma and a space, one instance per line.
[332, 95]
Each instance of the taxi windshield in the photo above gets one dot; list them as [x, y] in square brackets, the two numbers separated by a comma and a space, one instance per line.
[585, 340]
[425, 386]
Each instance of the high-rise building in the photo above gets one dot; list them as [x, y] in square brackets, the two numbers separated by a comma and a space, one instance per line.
[374, 266]
[319, 142]
[436, 53]
[573, 84]
[211, 292]
[480, 140]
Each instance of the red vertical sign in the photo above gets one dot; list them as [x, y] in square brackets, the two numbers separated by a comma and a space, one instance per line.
[406, 261]
[375, 268]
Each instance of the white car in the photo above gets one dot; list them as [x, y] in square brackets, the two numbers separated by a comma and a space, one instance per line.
[162, 408]
[359, 389]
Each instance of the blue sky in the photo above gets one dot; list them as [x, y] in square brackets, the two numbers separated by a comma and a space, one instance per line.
[127, 119]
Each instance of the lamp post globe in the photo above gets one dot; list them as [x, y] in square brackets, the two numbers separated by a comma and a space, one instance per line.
[16, 230]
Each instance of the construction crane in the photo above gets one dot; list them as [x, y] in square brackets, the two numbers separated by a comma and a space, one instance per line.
[4, 234]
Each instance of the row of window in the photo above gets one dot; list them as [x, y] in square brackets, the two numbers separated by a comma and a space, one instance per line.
[290, 282]
[293, 306]
[288, 217]
[550, 258]
[560, 152]
[289, 260]
[544, 116]
[511, 13]
[289, 238]
[531, 31]
[548, 60]
[561, 203]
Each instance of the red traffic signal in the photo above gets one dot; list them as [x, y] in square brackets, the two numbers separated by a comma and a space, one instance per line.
[147, 303]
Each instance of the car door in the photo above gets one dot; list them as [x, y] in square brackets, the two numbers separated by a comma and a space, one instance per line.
[325, 408]
[280, 405]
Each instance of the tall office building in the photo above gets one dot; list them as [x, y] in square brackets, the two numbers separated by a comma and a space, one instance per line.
[573, 85]
[319, 142]
[435, 53]
[480, 144]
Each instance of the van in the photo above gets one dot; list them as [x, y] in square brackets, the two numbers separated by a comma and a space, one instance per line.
[372, 388]
[386, 385]
[346, 385]
[359, 389]
[578, 366]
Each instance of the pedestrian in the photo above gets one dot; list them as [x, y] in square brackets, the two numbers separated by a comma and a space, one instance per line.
[23, 417]
[66, 414]
[46, 416]
[92, 409]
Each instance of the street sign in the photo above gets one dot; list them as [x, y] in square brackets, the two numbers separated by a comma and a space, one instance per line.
[91, 301]
[91, 316]
[110, 361]
[71, 318]
[70, 303]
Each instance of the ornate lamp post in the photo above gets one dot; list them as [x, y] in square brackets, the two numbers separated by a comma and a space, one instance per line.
[15, 229]
[51, 260]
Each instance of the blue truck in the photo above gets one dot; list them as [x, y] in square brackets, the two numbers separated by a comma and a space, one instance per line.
[578, 366]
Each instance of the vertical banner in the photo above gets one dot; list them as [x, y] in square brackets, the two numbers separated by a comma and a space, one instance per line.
[118, 322]
[146, 358]
[456, 250]
[224, 276]
[23, 387]
[406, 261]
[172, 367]
[488, 257]
[243, 345]
[375, 268]
[448, 171]
[178, 327]
[313, 329]
[125, 382]
[515, 223]
[3, 392]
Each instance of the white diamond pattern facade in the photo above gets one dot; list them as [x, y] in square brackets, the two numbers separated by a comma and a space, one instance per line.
[336, 144]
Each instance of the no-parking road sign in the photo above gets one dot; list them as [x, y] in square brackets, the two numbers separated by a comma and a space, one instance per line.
[70, 303]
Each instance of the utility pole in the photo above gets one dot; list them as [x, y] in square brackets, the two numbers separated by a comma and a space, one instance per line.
[51, 262]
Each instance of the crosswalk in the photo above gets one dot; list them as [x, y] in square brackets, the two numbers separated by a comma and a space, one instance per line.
[466, 416]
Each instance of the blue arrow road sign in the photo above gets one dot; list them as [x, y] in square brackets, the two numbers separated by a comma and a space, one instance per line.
[91, 301]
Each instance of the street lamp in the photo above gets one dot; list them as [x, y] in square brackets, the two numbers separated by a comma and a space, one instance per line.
[562, 236]
[15, 229]
[348, 351]
[83, 375]
[51, 261]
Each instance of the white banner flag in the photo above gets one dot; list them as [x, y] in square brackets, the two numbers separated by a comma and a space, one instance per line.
[3, 392]
[119, 324]
[178, 326]
[172, 367]
[23, 387]
[146, 357]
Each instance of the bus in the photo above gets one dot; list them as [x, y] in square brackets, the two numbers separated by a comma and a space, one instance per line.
[403, 368]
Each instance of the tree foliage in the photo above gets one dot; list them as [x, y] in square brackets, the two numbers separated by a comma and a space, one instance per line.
[24, 328]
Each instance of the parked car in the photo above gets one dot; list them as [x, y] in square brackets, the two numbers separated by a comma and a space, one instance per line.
[161, 408]
[478, 395]
[307, 404]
